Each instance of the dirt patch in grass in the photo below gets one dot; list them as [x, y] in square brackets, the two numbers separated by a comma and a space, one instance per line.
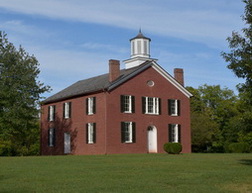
[241, 188]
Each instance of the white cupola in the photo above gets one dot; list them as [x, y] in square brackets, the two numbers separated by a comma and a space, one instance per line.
[140, 46]
[140, 51]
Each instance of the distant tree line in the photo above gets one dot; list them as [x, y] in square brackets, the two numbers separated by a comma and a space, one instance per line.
[221, 120]
[217, 121]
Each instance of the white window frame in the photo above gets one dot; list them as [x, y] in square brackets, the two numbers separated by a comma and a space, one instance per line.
[91, 106]
[90, 133]
[127, 103]
[175, 133]
[174, 107]
[128, 132]
[67, 110]
[152, 105]
[51, 113]
[51, 137]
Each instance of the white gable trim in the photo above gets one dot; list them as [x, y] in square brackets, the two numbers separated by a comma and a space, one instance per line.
[171, 79]
[160, 70]
[134, 73]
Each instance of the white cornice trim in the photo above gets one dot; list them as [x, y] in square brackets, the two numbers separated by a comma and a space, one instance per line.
[171, 79]
[160, 70]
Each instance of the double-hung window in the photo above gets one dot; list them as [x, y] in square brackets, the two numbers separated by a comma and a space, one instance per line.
[127, 104]
[174, 107]
[174, 133]
[91, 105]
[128, 132]
[51, 113]
[51, 137]
[67, 110]
[91, 133]
[151, 105]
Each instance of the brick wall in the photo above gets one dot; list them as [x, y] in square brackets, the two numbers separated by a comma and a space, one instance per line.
[108, 119]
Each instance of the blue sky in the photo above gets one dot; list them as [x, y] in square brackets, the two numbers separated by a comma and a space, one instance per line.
[74, 39]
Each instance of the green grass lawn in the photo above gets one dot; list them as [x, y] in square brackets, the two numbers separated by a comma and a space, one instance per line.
[194, 173]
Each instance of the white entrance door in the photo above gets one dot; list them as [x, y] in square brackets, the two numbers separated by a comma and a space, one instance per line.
[152, 139]
[67, 143]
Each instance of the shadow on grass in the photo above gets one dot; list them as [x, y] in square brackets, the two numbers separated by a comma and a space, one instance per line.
[247, 162]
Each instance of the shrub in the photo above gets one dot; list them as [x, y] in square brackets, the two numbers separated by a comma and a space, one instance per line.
[173, 148]
[239, 147]
[5, 148]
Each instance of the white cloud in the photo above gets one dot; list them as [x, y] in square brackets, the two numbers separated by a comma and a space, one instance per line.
[17, 26]
[107, 47]
[61, 68]
[22, 32]
[208, 22]
[72, 63]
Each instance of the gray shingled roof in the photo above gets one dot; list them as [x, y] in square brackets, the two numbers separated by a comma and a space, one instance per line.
[95, 84]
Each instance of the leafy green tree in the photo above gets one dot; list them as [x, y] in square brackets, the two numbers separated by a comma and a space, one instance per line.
[204, 130]
[20, 93]
[212, 110]
[240, 62]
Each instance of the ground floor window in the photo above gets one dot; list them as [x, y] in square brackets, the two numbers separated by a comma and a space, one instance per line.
[51, 137]
[174, 133]
[128, 132]
[91, 133]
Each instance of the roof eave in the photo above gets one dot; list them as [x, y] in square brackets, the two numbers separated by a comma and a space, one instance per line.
[129, 76]
[72, 96]
[172, 80]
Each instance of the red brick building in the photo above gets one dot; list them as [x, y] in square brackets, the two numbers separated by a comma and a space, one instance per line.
[133, 110]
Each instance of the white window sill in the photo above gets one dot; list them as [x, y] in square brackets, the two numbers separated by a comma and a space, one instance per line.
[127, 112]
[151, 113]
[128, 142]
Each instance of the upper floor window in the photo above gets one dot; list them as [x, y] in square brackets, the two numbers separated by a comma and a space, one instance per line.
[174, 107]
[91, 133]
[151, 105]
[51, 112]
[51, 137]
[127, 104]
[90, 105]
[174, 133]
[128, 132]
[67, 110]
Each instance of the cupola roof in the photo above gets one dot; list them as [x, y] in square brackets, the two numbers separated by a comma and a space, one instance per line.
[140, 36]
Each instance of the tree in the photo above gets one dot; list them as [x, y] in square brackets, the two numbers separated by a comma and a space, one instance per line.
[212, 110]
[20, 93]
[204, 130]
[240, 62]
